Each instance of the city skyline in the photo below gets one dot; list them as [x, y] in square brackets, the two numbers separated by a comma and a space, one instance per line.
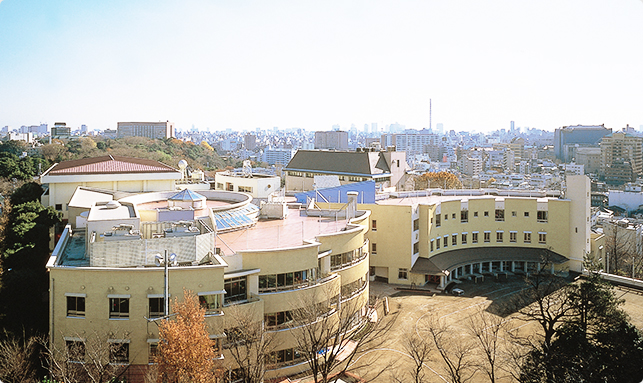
[243, 65]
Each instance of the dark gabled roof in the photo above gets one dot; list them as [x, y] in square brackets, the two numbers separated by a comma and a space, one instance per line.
[359, 163]
[109, 165]
[448, 259]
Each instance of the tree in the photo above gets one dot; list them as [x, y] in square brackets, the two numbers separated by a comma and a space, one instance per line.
[454, 351]
[331, 333]
[88, 358]
[620, 247]
[185, 352]
[444, 180]
[486, 329]
[247, 343]
[419, 350]
[18, 358]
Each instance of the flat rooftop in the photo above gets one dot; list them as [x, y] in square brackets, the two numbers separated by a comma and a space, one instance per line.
[279, 233]
[429, 200]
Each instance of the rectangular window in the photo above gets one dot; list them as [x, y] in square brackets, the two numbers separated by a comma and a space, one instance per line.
[475, 214]
[118, 352]
[235, 289]
[474, 237]
[500, 215]
[499, 235]
[527, 237]
[119, 307]
[432, 243]
[487, 236]
[416, 248]
[59, 206]
[542, 237]
[454, 239]
[464, 238]
[402, 274]
[373, 248]
[464, 216]
[446, 217]
[437, 220]
[211, 303]
[75, 306]
[75, 350]
[486, 213]
[245, 189]
[514, 214]
[416, 224]
[541, 216]
[279, 319]
[453, 215]
[157, 307]
[526, 214]
[446, 240]
[437, 243]
[373, 225]
[152, 352]
[513, 236]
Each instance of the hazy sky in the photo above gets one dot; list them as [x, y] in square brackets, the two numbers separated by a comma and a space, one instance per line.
[311, 64]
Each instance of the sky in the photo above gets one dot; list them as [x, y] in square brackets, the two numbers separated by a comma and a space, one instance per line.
[311, 64]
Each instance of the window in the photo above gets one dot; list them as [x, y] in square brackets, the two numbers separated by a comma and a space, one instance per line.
[542, 237]
[373, 225]
[474, 237]
[514, 214]
[75, 350]
[527, 237]
[157, 307]
[453, 215]
[59, 206]
[454, 239]
[219, 186]
[437, 220]
[512, 236]
[277, 320]
[119, 307]
[402, 274]
[464, 238]
[235, 289]
[416, 248]
[486, 213]
[526, 214]
[475, 214]
[500, 215]
[373, 248]
[152, 352]
[432, 243]
[446, 240]
[437, 243]
[245, 189]
[75, 306]
[487, 236]
[284, 357]
[211, 302]
[119, 352]
[446, 217]
[499, 236]
[464, 216]
[541, 216]
[416, 224]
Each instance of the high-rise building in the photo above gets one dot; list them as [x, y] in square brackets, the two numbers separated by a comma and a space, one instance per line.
[277, 156]
[337, 140]
[146, 129]
[618, 152]
[250, 141]
[568, 138]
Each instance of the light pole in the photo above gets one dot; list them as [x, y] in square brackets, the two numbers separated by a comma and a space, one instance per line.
[166, 279]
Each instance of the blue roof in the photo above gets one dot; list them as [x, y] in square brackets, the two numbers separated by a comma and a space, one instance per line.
[236, 218]
[186, 195]
[365, 193]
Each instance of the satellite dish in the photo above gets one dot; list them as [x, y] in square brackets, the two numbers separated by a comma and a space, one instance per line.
[183, 164]
[158, 259]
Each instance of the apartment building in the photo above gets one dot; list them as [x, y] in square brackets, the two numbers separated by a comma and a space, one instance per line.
[152, 130]
[621, 159]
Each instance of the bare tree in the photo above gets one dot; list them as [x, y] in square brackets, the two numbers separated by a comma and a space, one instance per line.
[18, 358]
[247, 343]
[486, 329]
[419, 350]
[331, 334]
[95, 358]
[620, 247]
[454, 350]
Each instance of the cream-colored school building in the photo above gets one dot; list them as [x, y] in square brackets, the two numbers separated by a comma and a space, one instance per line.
[106, 273]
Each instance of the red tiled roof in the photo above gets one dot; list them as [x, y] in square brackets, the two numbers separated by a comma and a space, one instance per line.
[109, 165]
